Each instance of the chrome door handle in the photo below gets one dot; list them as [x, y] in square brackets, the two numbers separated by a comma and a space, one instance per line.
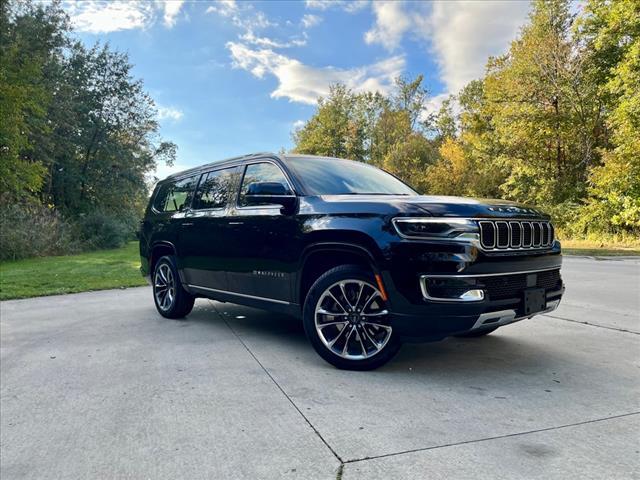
[187, 224]
[236, 223]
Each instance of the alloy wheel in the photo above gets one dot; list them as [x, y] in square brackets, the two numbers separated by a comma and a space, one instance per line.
[352, 320]
[164, 287]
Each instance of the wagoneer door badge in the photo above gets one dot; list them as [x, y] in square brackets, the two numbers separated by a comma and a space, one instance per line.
[268, 273]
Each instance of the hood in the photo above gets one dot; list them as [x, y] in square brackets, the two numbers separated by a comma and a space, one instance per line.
[436, 206]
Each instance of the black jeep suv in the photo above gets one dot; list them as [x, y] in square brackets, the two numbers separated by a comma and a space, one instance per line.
[363, 259]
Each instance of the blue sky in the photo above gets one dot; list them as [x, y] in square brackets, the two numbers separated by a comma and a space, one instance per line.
[236, 77]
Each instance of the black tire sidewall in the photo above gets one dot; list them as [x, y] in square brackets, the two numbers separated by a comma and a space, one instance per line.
[332, 276]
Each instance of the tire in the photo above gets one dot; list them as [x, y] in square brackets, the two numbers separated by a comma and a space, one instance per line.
[361, 339]
[172, 301]
[477, 333]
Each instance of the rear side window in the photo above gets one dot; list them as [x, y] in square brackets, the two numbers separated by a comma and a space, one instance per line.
[261, 172]
[214, 189]
[175, 196]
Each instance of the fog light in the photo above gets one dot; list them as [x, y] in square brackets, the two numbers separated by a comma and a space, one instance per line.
[450, 289]
[472, 296]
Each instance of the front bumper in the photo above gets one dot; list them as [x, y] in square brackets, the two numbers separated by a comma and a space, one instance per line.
[433, 320]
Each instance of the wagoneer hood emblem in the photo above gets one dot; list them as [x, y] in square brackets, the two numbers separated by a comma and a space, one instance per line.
[511, 209]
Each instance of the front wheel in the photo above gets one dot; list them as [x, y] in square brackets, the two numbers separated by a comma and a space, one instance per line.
[347, 320]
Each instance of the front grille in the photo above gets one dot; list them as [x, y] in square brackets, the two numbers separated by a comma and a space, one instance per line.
[512, 286]
[515, 234]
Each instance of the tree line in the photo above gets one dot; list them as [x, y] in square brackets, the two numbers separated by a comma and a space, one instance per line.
[554, 122]
[78, 137]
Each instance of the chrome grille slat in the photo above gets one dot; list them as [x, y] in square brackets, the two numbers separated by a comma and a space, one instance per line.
[500, 235]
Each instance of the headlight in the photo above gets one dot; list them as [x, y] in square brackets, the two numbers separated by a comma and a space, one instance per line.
[436, 228]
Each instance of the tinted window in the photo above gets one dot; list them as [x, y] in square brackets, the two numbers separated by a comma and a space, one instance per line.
[175, 196]
[214, 189]
[261, 172]
[331, 176]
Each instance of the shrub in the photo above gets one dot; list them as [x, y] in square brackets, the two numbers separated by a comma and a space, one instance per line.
[98, 230]
[29, 230]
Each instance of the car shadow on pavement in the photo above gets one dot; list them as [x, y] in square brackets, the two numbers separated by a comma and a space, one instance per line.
[496, 353]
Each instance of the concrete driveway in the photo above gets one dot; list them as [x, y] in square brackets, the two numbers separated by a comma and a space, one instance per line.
[98, 385]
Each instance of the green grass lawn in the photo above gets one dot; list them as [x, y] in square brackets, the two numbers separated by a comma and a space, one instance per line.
[73, 273]
[600, 248]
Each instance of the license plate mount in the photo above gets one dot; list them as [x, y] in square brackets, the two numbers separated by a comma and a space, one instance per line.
[535, 300]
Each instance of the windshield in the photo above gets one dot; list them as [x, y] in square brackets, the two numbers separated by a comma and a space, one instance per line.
[332, 176]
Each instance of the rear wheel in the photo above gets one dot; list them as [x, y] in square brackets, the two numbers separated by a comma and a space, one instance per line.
[347, 320]
[172, 301]
[477, 333]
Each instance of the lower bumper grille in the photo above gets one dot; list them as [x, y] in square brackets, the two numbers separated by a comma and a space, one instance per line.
[510, 286]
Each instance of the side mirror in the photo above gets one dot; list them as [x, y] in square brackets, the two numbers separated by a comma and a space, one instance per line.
[271, 193]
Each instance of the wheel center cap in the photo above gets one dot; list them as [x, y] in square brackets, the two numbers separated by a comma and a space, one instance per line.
[354, 319]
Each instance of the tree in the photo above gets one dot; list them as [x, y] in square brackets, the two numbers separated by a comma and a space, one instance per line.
[611, 33]
[31, 39]
[544, 110]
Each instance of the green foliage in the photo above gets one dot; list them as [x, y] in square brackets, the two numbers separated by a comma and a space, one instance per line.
[78, 131]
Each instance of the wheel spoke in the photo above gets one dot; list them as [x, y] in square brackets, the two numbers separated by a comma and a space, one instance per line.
[368, 302]
[344, 295]
[333, 342]
[379, 325]
[359, 295]
[360, 339]
[346, 342]
[375, 344]
[328, 324]
[322, 311]
[381, 313]
[337, 301]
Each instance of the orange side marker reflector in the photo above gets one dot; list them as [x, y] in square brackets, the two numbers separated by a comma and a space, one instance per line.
[383, 292]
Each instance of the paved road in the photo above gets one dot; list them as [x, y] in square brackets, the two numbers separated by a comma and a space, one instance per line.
[97, 385]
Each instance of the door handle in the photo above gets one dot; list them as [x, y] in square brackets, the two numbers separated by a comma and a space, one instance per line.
[187, 224]
[236, 223]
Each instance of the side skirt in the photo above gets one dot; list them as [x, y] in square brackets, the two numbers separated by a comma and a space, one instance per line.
[276, 306]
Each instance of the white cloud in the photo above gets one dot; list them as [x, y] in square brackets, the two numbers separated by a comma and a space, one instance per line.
[303, 83]
[95, 16]
[309, 20]
[250, 37]
[298, 124]
[392, 22]
[350, 6]
[170, 113]
[464, 34]
[171, 10]
[226, 8]
[100, 17]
